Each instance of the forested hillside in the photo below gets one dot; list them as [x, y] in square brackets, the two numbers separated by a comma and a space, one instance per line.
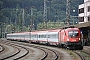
[11, 10]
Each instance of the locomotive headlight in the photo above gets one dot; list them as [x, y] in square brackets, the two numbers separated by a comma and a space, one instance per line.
[79, 38]
[67, 39]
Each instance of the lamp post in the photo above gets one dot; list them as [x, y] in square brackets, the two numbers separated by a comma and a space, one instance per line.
[30, 31]
[4, 31]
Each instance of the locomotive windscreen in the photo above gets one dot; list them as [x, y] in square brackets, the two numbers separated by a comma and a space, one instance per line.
[73, 34]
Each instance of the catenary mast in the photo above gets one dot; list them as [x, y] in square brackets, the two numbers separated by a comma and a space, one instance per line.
[68, 12]
[45, 13]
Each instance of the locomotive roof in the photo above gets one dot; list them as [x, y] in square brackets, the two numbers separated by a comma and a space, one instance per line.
[68, 27]
[72, 29]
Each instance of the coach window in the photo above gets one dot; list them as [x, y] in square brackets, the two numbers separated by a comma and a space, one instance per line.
[56, 36]
[48, 36]
[44, 36]
[22, 36]
[9, 36]
[15, 35]
[53, 36]
[32, 36]
[35, 36]
[12, 35]
[39, 36]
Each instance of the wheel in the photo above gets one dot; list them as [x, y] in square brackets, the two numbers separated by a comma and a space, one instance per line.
[47, 43]
[81, 47]
[59, 45]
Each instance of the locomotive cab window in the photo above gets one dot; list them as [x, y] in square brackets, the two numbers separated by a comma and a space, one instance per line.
[73, 34]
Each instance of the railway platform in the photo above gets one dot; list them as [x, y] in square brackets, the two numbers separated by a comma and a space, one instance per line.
[85, 29]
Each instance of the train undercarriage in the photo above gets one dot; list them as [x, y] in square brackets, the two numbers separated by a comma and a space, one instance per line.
[72, 45]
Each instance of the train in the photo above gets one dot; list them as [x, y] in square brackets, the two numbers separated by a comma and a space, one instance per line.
[69, 38]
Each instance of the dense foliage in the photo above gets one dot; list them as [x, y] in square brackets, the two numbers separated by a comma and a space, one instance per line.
[11, 11]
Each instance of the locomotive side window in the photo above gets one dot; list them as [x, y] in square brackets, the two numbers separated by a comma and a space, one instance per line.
[73, 34]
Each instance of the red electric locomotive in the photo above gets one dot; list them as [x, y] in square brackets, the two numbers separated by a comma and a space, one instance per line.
[71, 38]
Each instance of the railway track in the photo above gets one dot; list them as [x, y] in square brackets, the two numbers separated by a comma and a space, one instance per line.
[8, 52]
[17, 54]
[1, 48]
[88, 53]
[81, 57]
[52, 53]
[49, 54]
[35, 52]
[83, 54]
[9, 56]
